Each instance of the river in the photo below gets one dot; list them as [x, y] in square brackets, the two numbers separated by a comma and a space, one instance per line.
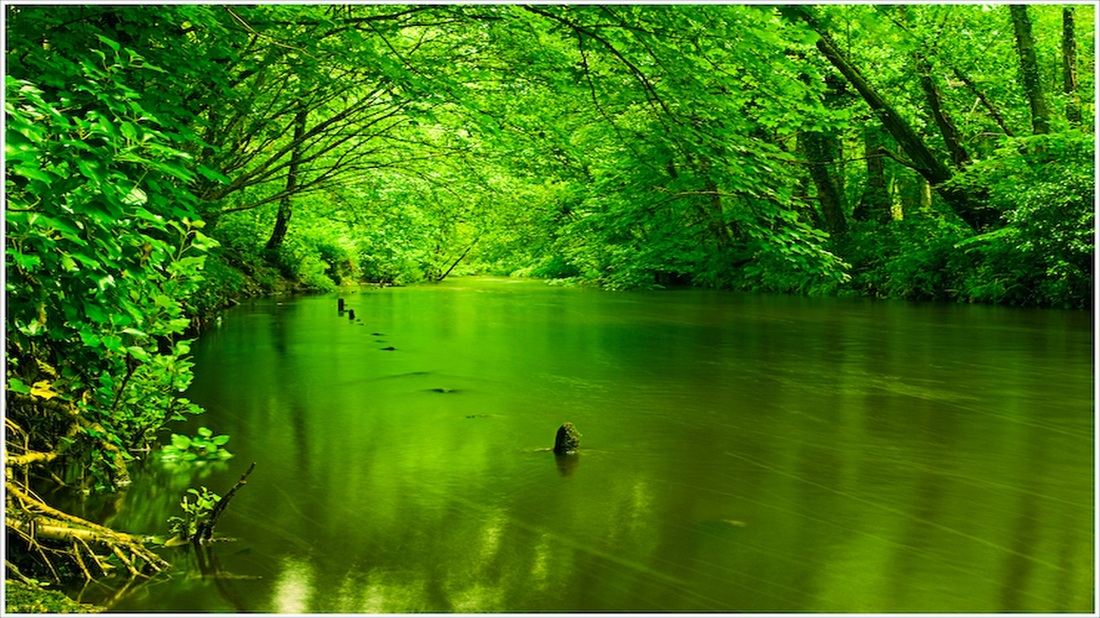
[739, 453]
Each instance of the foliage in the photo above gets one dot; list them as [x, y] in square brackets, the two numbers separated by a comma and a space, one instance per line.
[632, 146]
[913, 258]
[204, 446]
[1041, 256]
[1044, 185]
[162, 160]
[103, 245]
[197, 506]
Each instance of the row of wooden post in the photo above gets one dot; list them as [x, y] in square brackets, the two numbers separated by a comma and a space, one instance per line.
[567, 439]
[340, 309]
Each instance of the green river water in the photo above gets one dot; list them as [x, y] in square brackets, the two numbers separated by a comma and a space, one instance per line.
[739, 453]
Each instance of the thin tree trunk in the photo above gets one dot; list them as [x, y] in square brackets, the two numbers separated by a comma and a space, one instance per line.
[1029, 69]
[282, 219]
[986, 103]
[947, 127]
[712, 211]
[455, 263]
[1069, 67]
[716, 217]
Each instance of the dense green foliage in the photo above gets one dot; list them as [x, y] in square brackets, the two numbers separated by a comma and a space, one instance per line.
[103, 248]
[632, 146]
[163, 160]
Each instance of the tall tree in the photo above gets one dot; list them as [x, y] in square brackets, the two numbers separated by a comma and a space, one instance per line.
[874, 203]
[1029, 69]
[286, 202]
[934, 99]
[919, 155]
[1069, 66]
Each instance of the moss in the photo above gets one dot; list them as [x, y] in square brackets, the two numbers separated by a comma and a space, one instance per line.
[568, 439]
[21, 598]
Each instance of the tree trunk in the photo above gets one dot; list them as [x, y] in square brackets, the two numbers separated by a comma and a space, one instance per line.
[1029, 70]
[716, 217]
[986, 103]
[914, 195]
[874, 204]
[711, 210]
[455, 263]
[923, 160]
[1069, 67]
[948, 130]
[820, 152]
[282, 219]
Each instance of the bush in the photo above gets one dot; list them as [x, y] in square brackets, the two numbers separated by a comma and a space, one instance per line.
[103, 247]
[1044, 185]
[911, 258]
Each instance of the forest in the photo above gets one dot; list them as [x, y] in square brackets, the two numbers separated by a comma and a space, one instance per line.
[164, 162]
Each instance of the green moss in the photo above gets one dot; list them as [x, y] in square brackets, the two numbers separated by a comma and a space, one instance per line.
[21, 598]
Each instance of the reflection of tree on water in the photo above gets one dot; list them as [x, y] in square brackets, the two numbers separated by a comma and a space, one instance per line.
[858, 466]
[209, 567]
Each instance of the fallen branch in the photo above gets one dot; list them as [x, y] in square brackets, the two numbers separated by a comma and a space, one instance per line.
[205, 528]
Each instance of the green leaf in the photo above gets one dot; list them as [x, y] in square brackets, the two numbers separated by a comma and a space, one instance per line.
[24, 261]
[136, 197]
[213, 175]
[16, 385]
[33, 173]
[108, 42]
[90, 339]
[139, 353]
[113, 343]
[96, 313]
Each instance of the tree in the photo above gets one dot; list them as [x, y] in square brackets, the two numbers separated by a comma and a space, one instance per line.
[948, 131]
[919, 156]
[1029, 69]
[874, 202]
[1069, 66]
[282, 219]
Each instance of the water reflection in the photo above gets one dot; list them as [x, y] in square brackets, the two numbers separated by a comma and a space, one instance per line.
[294, 588]
[741, 453]
[567, 463]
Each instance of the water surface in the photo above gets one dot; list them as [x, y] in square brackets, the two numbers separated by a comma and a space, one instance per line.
[739, 453]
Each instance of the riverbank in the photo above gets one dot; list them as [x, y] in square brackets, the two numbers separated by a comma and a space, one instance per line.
[24, 598]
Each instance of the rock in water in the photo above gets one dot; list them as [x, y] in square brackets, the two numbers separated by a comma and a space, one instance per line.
[568, 439]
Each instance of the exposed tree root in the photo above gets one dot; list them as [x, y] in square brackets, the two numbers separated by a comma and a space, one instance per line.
[51, 533]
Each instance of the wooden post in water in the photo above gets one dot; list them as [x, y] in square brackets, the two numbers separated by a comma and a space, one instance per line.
[340, 305]
[351, 314]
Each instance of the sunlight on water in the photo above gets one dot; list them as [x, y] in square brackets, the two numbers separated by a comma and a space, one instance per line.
[294, 587]
[739, 453]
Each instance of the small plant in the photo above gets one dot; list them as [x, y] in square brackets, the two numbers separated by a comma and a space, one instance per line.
[197, 505]
[203, 447]
[201, 509]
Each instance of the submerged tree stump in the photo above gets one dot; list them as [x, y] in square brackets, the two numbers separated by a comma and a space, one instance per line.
[568, 440]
